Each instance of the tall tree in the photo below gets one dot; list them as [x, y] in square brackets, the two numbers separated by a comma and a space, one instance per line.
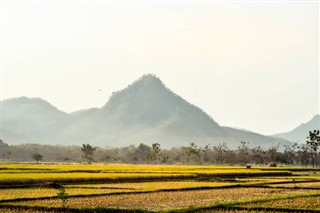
[303, 154]
[207, 154]
[37, 157]
[272, 153]
[314, 143]
[142, 153]
[193, 153]
[88, 152]
[219, 152]
[258, 155]
[155, 152]
[243, 153]
[290, 153]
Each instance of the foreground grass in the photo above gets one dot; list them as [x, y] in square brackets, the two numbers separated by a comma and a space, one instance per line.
[166, 200]
[311, 203]
[92, 189]
[8, 194]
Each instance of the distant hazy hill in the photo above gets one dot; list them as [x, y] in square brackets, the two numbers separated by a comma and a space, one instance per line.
[144, 112]
[30, 120]
[300, 133]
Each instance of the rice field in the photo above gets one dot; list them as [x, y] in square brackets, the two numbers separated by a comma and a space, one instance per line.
[6, 194]
[159, 201]
[156, 188]
[309, 203]
[294, 184]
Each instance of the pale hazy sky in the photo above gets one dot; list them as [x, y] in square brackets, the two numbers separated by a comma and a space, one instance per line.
[248, 64]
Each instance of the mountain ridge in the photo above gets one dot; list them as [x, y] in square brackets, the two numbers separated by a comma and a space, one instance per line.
[146, 111]
[300, 133]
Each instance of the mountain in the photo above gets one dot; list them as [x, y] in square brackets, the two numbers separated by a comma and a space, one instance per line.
[300, 133]
[30, 120]
[144, 112]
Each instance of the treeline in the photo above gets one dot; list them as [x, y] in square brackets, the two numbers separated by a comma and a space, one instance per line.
[220, 154]
[295, 154]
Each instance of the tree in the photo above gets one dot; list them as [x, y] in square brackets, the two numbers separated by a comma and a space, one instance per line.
[37, 157]
[88, 152]
[290, 153]
[5, 152]
[258, 155]
[303, 154]
[219, 152]
[207, 154]
[155, 152]
[243, 153]
[142, 154]
[314, 143]
[193, 153]
[272, 153]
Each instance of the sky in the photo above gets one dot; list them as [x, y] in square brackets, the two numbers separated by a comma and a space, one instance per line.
[248, 64]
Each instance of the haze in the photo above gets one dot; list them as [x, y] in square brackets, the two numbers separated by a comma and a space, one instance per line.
[253, 65]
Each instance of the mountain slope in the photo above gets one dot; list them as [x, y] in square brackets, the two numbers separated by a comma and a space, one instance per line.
[147, 112]
[147, 102]
[144, 112]
[300, 133]
[254, 139]
[31, 119]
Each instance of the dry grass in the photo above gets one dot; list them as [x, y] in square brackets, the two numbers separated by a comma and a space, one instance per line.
[236, 211]
[315, 185]
[167, 200]
[158, 185]
[312, 203]
[44, 192]
[11, 210]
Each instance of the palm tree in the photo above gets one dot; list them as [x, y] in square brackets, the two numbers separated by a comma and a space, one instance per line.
[88, 152]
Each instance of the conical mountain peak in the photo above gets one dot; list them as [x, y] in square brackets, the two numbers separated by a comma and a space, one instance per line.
[148, 103]
[148, 81]
[148, 88]
[146, 111]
